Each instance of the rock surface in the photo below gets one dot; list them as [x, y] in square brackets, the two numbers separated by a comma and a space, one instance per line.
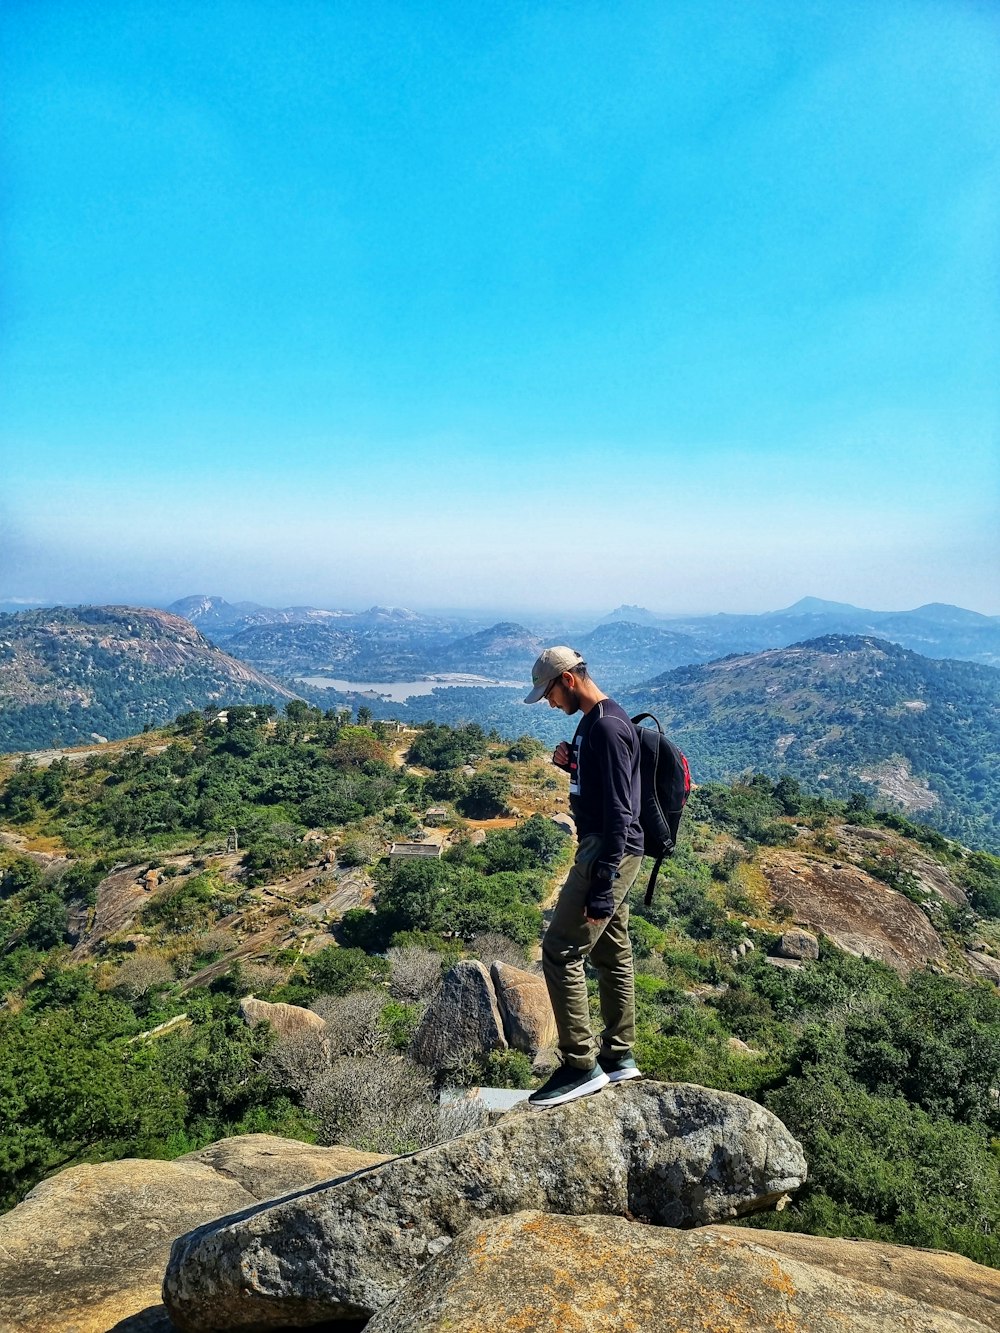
[268, 1166]
[984, 965]
[528, 1021]
[463, 1018]
[594, 1274]
[87, 1248]
[288, 1020]
[859, 913]
[798, 944]
[934, 1277]
[675, 1154]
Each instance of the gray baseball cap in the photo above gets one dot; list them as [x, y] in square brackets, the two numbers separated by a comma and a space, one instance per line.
[548, 665]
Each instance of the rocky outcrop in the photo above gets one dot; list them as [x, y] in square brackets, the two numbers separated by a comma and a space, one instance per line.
[267, 1166]
[463, 1019]
[858, 913]
[673, 1154]
[87, 1248]
[523, 999]
[288, 1020]
[592, 1274]
[984, 965]
[798, 944]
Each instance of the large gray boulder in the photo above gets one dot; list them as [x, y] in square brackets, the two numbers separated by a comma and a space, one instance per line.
[673, 1154]
[594, 1274]
[528, 1021]
[462, 1020]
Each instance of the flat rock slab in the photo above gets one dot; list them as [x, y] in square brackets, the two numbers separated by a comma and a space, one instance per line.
[933, 1277]
[595, 1274]
[86, 1250]
[674, 1154]
[859, 913]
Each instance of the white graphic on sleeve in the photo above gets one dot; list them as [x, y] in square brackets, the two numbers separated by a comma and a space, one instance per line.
[574, 768]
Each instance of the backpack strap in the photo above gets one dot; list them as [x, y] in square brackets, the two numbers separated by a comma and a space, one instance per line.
[652, 881]
[652, 717]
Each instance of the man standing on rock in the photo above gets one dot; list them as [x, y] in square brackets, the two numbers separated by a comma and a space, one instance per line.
[590, 919]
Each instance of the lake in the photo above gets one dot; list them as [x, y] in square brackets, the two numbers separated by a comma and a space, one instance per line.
[398, 691]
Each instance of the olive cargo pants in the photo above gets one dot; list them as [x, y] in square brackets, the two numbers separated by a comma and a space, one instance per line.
[568, 941]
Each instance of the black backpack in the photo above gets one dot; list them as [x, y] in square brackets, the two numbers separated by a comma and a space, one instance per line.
[665, 782]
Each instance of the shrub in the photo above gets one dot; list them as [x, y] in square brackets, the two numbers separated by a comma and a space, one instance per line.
[414, 973]
[383, 1105]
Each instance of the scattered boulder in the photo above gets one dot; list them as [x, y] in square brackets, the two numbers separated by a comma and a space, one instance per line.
[523, 998]
[463, 1018]
[798, 944]
[674, 1154]
[288, 1020]
[87, 1248]
[585, 1273]
[791, 964]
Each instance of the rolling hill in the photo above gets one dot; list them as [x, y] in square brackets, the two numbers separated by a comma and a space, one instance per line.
[846, 712]
[70, 675]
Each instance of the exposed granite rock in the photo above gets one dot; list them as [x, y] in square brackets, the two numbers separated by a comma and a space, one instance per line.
[86, 1250]
[267, 1166]
[857, 912]
[674, 1154]
[984, 965]
[798, 944]
[934, 1277]
[88, 1247]
[463, 1018]
[593, 1274]
[288, 1020]
[528, 1021]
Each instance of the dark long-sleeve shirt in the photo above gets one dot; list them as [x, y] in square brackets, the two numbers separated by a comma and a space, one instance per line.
[604, 783]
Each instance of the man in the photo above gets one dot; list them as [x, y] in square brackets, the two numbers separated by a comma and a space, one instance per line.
[591, 915]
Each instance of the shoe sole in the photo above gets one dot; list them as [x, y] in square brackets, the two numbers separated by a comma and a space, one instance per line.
[584, 1090]
[623, 1075]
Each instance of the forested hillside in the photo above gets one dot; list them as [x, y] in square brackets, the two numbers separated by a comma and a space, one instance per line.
[131, 925]
[842, 713]
[70, 675]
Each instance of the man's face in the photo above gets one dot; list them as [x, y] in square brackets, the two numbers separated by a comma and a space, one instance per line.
[562, 696]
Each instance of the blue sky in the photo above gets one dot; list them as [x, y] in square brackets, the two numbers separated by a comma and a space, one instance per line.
[527, 306]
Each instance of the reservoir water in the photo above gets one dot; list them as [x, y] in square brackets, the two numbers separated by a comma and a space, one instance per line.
[398, 691]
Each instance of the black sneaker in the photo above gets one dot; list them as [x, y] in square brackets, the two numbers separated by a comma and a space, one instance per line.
[618, 1067]
[565, 1085]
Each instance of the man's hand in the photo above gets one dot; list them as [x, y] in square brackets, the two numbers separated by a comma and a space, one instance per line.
[562, 754]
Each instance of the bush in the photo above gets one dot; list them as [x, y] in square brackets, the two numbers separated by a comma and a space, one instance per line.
[414, 974]
[338, 970]
[383, 1105]
[353, 1025]
[487, 794]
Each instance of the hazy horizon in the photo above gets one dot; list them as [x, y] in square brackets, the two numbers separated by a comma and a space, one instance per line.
[683, 306]
[569, 614]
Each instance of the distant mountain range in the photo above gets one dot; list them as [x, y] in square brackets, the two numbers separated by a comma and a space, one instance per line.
[839, 711]
[73, 675]
[628, 646]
